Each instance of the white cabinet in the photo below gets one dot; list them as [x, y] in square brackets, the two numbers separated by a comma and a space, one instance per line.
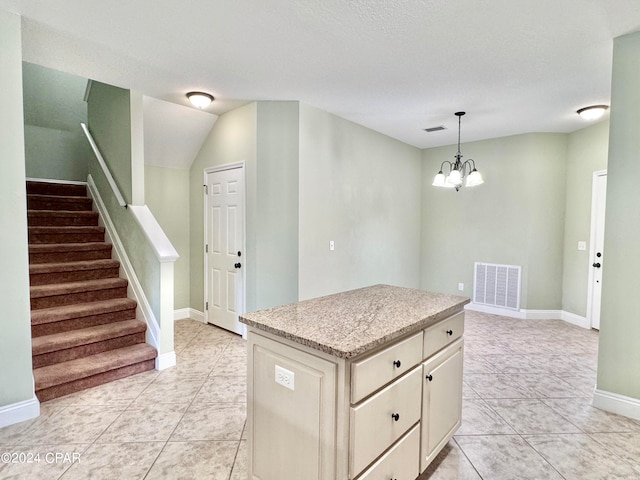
[381, 415]
[441, 400]
[292, 426]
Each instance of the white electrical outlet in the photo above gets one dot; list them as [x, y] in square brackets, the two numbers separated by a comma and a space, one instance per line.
[332, 245]
[285, 377]
[461, 287]
[582, 245]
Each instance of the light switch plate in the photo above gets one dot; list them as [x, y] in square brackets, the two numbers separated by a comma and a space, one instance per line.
[582, 245]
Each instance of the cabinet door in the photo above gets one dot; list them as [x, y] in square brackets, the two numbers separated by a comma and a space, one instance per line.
[441, 400]
[291, 413]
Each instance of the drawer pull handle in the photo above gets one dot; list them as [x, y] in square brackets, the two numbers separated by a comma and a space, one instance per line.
[397, 363]
[395, 416]
[449, 332]
[429, 377]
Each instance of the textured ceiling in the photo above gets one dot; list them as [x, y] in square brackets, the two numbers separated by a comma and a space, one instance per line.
[396, 66]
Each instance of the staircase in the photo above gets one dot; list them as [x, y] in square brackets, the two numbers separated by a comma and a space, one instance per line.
[83, 327]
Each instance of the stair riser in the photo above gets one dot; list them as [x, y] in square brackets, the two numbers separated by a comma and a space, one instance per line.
[64, 277]
[45, 220]
[73, 256]
[46, 188]
[71, 237]
[69, 324]
[79, 297]
[93, 381]
[62, 203]
[85, 350]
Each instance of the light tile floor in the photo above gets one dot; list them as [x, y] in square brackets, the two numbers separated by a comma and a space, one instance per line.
[527, 414]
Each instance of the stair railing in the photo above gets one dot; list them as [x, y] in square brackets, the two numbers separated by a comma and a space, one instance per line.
[103, 165]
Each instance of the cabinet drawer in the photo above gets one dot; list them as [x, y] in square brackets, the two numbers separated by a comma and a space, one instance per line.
[373, 372]
[442, 334]
[380, 420]
[400, 462]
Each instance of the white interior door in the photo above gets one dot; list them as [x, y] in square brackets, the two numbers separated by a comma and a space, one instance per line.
[596, 260]
[224, 248]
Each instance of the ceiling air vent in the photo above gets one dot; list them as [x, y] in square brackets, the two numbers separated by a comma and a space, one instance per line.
[434, 129]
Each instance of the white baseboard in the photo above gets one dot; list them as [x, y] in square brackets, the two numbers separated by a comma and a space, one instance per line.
[188, 314]
[166, 360]
[615, 403]
[524, 314]
[19, 412]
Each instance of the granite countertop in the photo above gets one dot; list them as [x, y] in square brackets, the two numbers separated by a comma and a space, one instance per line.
[351, 323]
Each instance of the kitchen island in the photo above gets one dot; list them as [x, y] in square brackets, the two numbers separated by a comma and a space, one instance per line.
[364, 384]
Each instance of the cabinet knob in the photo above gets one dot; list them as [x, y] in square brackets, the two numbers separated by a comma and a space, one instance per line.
[397, 363]
[429, 377]
[449, 332]
[395, 416]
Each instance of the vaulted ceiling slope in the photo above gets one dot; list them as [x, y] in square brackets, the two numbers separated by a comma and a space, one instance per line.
[396, 66]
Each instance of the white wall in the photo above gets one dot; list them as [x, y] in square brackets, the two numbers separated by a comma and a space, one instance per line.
[360, 189]
[167, 196]
[619, 352]
[516, 217]
[16, 378]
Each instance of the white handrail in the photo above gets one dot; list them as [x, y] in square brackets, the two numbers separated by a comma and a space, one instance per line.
[104, 167]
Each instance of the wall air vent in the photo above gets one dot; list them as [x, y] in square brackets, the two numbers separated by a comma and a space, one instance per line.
[497, 285]
[435, 129]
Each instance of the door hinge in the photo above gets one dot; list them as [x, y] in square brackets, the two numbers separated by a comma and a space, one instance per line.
[206, 249]
[206, 189]
[206, 307]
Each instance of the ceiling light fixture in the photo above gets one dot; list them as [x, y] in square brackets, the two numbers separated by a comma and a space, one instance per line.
[200, 99]
[592, 112]
[458, 170]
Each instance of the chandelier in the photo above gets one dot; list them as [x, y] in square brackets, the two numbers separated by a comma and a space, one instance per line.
[459, 172]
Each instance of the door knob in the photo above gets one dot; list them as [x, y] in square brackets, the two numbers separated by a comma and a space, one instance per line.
[237, 265]
[597, 265]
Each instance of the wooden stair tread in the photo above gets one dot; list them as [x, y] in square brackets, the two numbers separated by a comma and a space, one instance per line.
[40, 268]
[61, 213]
[84, 336]
[35, 187]
[39, 291]
[75, 229]
[63, 312]
[65, 372]
[67, 247]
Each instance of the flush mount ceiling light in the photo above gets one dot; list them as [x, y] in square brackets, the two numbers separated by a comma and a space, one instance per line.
[592, 112]
[459, 172]
[200, 99]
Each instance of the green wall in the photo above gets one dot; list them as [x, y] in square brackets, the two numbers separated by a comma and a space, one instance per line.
[586, 153]
[360, 189]
[167, 196]
[517, 217]
[619, 353]
[109, 113]
[232, 139]
[54, 107]
[16, 378]
[276, 218]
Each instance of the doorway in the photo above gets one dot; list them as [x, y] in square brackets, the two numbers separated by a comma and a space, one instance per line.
[224, 226]
[596, 250]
